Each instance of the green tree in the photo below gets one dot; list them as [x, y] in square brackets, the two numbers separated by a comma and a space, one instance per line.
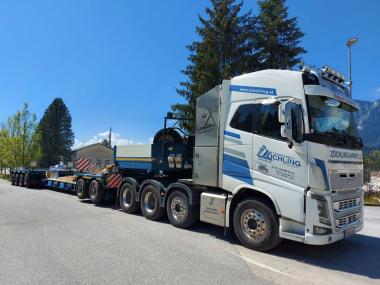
[224, 50]
[19, 139]
[56, 134]
[278, 36]
[372, 160]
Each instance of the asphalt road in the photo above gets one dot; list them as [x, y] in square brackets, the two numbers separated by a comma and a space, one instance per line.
[49, 237]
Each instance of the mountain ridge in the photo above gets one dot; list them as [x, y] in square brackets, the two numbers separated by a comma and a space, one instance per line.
[368, 119]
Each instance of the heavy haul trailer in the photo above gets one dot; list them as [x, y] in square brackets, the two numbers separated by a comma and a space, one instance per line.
[87, 183]
[276, 155]
[34, 177]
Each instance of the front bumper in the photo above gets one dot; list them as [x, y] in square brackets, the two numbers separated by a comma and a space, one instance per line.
[342, 217]
[314, 239]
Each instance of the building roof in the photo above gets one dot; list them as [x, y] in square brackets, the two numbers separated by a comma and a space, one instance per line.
[91, 145]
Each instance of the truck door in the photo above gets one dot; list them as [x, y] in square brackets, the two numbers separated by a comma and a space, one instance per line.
[277, 168]
[237, 152]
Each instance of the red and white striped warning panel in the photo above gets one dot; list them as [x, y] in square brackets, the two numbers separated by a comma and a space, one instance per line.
[82, 164]
[114, 180]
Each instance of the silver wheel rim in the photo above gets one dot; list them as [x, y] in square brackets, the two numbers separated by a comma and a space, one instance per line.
[93, 190]
[253, 225]
[149, 202]
[178, 209]
[80, 187]
[127, 197]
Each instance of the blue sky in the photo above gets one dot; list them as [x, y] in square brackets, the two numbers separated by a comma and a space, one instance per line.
[117, 63]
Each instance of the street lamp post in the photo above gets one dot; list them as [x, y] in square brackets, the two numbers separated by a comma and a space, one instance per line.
[350, 42]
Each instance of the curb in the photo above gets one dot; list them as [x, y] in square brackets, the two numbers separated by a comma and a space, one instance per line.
[372, 205]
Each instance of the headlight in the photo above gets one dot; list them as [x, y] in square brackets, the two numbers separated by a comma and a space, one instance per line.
[323, 210]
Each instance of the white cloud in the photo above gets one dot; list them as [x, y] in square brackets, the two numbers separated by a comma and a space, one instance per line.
[116, 139]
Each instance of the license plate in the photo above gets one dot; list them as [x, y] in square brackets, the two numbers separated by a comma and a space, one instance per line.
[349, 232]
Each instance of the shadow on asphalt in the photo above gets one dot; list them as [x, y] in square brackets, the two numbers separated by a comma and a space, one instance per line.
[359, 254]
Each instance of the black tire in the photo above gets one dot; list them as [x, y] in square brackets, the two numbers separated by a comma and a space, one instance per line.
[96, 192]
[22, 180]
[180, 213]
[256, 225]
[127, 198]
[13, 179]
[17, 179]
[27, 181]
[150, 203]
[81, 189]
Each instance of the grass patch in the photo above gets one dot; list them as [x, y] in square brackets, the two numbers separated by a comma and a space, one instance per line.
[5, 176]
[372, 198]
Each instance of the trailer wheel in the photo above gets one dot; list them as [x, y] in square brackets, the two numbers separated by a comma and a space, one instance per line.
[22, 180]
[180, 213]
[96, 192]
[17, 179]
[127, 198]
[81, 189]
[13, 179]
[27, 181]
[150, 203]
[256, 225]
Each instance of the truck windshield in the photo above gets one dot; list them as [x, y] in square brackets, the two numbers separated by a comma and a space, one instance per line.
[332, 117]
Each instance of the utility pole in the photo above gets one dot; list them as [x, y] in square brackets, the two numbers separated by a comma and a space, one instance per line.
[109, 137]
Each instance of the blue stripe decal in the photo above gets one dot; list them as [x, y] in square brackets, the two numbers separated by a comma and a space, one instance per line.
[254, 89]
[237, 168]
[230, 134]
[322, 166]
[134, 165]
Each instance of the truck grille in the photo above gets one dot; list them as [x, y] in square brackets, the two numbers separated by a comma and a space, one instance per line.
[346, 207]
[347, 220]
[346, 204]
[346, 194]
[345, 181]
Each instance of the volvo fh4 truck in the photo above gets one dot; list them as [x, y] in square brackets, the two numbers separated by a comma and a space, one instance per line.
[276, 155]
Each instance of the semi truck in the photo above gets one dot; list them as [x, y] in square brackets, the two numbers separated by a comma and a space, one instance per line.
[275, 155]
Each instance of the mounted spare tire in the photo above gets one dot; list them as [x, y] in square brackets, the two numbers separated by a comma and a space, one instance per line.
[171, 136]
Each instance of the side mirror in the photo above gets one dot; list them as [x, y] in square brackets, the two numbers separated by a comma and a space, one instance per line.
[291, 118]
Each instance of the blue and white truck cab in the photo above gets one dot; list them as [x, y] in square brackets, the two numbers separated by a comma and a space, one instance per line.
[289, 140]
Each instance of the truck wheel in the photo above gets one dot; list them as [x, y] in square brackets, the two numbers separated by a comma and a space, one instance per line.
[127, 198]
[256, 225]
[150, 203]
[17, 179]
[96, 192]
[81, 189]
[180, 213]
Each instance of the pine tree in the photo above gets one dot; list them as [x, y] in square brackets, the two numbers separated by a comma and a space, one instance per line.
[57, 137]
[278, 37]
[223, 51]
